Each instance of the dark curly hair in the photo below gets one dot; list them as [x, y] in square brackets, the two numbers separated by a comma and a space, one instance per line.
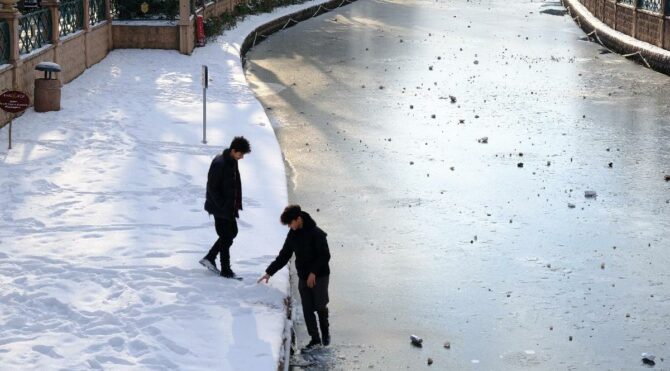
[240, 144]
[291, 213]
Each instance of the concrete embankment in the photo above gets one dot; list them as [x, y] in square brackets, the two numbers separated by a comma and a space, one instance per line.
[259, 34]
[649, 55]
[265, 30]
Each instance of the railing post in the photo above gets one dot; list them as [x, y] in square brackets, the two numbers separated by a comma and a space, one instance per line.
[87, 15]
[86, 26]
[616, 10]
[11, 16]
[108, 10]
[184, 26]
[663, 8]
[54, 12]
[634, 32]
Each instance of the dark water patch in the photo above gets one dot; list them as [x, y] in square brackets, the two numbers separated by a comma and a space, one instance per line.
[557, 12]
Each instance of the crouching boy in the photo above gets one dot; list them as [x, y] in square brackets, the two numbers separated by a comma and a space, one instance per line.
[309, 244]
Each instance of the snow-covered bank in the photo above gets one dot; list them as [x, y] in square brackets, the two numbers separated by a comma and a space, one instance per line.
[102, 222]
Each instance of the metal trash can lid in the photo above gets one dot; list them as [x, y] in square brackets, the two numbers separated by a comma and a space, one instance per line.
[48, 67]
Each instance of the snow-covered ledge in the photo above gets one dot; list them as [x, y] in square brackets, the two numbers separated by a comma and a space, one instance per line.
[656, 58]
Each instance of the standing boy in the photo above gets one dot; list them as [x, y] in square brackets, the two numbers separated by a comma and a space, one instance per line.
[309, 244]
[224, 200]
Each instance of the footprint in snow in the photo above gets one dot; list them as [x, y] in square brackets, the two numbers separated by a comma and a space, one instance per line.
[47, 351]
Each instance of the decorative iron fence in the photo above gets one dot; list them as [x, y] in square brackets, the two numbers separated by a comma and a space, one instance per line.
[34, 30]
[145, 9]
[651, 5]
[5, 42]
[113, 9]
[627, 2]
[71, 16]
[96, 11]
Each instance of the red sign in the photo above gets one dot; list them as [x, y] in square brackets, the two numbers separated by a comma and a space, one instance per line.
[14, 101]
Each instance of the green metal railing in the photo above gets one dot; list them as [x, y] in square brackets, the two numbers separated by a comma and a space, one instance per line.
[651, 5]
[5, 43]
[96, 11]
[71, 16]
[114, 9]
[34, 30]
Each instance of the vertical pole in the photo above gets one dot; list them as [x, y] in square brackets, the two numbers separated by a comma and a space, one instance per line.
[204, 115]
[54, 13]
[12, 16]
[110, 32]
[634, 32]
[86, 21]
[661, 42]
[108, 10]
[205, 83]
[184, 25]
[10, 134]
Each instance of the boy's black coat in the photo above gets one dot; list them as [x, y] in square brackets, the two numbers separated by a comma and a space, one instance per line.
[310, 247]
[224, 187]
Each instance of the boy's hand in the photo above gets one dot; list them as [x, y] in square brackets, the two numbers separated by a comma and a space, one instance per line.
[265, 278]
[311, 280]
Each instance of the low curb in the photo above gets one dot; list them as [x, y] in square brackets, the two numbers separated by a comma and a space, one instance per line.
[647, 54]
[256, 36]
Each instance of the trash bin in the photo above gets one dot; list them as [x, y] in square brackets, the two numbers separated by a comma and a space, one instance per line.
[47, 89]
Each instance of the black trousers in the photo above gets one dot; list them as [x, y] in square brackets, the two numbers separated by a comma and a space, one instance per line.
[315, 300]
[227, 231]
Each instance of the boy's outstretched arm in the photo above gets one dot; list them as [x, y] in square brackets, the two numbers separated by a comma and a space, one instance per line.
[281, 260]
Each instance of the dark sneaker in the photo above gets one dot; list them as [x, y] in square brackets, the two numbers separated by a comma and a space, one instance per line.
[326, 340]
[228, 273]
[209, 265]
[314, 344]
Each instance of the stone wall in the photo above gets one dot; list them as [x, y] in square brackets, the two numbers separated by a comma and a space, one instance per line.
[642, 24]
[98, 44]
[71, 55]
[625, 19]
[648, 54]
[128, 36]
[649, 27]
[609, 13]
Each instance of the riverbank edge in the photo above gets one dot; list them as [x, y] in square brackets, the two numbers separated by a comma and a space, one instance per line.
[263, 31]
[650, 55]
[256, 36]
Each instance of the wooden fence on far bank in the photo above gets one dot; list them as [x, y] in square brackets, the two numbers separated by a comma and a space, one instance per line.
[645, 20]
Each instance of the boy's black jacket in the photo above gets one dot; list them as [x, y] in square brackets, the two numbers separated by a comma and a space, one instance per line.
[224, 188]
[310, 247]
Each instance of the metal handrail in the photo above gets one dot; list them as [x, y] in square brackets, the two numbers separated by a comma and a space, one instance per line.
[5, 42]
[71, 16]
[34, 30]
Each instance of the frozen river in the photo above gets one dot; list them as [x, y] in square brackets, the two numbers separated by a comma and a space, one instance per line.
[434, 232]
